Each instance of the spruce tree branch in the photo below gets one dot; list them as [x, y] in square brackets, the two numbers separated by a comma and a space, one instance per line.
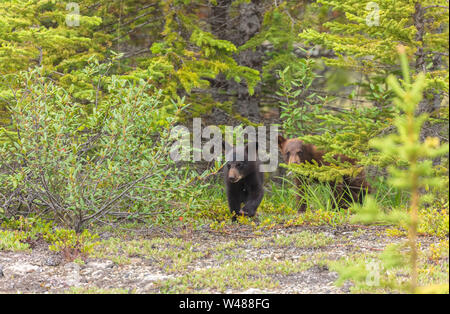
[435, 6]
[134, 29]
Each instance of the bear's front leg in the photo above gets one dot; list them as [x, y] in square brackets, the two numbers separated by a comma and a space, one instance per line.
[254, 198]
[234, 203]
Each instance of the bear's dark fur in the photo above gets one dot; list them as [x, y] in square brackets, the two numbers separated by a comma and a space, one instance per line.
[243, 183]
[351, 189]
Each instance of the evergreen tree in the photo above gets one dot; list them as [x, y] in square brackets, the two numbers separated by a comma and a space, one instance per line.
[164, 42]
[363, 37]
[415, 174]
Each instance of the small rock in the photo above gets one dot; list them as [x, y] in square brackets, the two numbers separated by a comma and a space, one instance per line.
[135, 260]
[148, 280]
[154, 277]
[52, 261]
[72, 266]
[22, 269]
[73, 277]
[97, 274]
[1, 272]
[100, 265]
[148, 286]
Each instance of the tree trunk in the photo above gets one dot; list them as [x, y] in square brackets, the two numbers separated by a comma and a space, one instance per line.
[429, 104]
[238, 30]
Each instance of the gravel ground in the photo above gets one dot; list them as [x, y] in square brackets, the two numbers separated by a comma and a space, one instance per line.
[42, 271]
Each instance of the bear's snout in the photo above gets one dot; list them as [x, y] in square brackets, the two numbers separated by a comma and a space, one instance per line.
[234, 175]
[294, 159]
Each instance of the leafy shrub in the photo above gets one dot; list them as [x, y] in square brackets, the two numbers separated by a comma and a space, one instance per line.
[299, 104]
[71, 244]
[81, 162]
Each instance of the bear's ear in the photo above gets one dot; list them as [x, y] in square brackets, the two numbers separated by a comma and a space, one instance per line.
[281, 141]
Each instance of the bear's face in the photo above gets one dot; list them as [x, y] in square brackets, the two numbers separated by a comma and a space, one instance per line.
[239, 168]
[292, 150]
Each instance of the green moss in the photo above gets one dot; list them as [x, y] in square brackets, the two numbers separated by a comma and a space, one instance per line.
[304, 239]
[236, 274]
[13, 240]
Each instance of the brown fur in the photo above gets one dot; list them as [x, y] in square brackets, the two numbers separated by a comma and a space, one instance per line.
[297, 151]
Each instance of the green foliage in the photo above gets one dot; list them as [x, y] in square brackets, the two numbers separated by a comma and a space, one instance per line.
[369, 273]
[278, 39]
[331, 173]
[183, 54]
[20, 232]
[174, 63]
[32, 227]
[84, 164]
[71, 244]
[13, 240]
[434, 221]
[278, 30]
[35, 33]
[363, 30]
[364, 35]
[308, 116]
[416, 175]
[299, 105]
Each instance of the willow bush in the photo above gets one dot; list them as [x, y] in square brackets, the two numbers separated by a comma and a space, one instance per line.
[79, 162]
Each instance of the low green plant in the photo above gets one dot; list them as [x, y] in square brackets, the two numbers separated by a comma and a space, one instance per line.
[438, 251]
[303, 239]
[235, 274]
[71, 244]
[19, 232]
[321, 217]
[13, 240]
[32, 227]
[432, 220]
[416, 174]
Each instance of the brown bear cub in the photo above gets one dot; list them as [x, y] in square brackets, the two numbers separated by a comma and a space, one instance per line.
[243, 182]
[351, 189]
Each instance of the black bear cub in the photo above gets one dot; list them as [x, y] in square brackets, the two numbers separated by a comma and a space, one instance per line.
[243, 182]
